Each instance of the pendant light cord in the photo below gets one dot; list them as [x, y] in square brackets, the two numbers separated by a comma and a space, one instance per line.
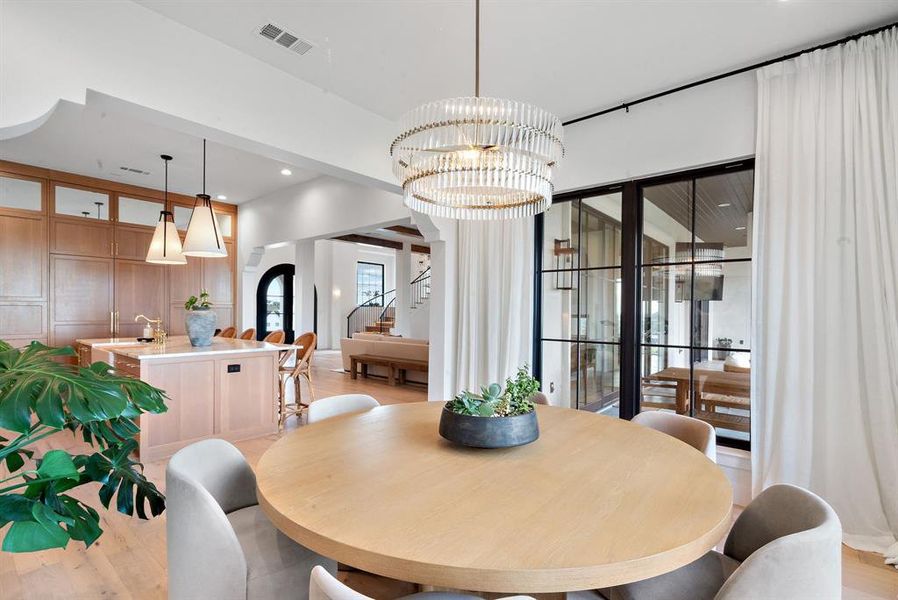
[204, 166]
[477, 48]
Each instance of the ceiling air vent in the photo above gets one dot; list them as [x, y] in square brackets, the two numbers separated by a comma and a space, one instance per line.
[133, 170]
[284, 38]
[270, 31]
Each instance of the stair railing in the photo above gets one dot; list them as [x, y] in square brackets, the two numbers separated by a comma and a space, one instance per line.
[420, 288]
[380, 309]
[368, 313]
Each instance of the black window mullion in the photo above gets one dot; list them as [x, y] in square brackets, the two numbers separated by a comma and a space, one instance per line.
[631, 301]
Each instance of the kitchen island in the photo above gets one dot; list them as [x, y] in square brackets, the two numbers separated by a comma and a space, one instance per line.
[227, 390]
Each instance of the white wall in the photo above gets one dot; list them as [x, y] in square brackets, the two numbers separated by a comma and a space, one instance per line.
[320, 208]
[345, 258]
[133, 53]
[709, 124]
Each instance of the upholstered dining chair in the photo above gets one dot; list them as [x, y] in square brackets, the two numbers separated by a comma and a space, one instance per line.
[248, 334]
[228, 332]
[275, 337]
[324, 586]
[300, 369]
[220, 544]
[338, 405]
[695, 432]
[787, 543]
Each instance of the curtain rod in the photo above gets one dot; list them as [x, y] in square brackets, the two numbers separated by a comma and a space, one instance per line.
[626, 105]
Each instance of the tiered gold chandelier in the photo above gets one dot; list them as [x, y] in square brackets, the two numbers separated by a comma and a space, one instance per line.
[477, 158]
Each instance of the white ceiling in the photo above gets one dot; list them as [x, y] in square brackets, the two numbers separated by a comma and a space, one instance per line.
[569, 56]
[88, 141]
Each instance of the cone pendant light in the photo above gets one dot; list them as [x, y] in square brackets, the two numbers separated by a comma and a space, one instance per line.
[203, 234]
[165, 247]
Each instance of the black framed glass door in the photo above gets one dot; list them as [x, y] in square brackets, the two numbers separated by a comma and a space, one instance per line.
[643, 298]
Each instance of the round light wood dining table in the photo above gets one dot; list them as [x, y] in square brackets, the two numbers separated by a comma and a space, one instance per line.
[594, 502]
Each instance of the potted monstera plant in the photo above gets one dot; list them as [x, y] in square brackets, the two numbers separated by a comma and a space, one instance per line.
[495, 418]
[200, 320]
[41, 396]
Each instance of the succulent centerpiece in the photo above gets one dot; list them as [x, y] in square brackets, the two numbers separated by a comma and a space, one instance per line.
[200, 320]
[495, 418]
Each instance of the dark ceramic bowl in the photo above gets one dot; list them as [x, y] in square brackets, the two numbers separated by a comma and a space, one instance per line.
[489, 432]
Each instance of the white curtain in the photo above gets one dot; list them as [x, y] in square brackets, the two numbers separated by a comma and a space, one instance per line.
[495, 300]
[826, 272]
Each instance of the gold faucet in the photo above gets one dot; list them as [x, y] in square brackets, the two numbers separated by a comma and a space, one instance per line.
[159, 334]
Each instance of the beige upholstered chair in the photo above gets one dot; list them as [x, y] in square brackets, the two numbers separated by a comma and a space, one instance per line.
[695, 432]
[301, 369]
[275, 337]
[248, 334]
[228, 332]
[324, 586]
[220, 544]
[338, 405]
[786, 544]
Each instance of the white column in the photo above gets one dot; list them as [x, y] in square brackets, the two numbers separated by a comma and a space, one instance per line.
[403, 290]
[304, 287]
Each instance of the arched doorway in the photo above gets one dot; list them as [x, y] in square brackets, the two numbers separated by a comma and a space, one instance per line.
[274, 302]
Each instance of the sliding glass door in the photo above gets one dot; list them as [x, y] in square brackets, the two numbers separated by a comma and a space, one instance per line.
[581, 296]
[644, 298]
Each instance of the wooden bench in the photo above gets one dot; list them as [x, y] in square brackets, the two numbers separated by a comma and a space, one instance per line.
[395, 366]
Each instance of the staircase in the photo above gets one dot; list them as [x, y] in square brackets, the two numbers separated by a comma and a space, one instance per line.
[378, 314]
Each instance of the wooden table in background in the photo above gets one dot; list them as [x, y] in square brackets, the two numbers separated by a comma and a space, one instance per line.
[737, 385]
[594, 502]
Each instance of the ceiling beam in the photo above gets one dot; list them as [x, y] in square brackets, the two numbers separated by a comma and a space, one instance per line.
[406, 230]
[420, 249]
[367, 239]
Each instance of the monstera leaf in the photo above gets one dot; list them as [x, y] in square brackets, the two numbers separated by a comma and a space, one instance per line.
[39, 396]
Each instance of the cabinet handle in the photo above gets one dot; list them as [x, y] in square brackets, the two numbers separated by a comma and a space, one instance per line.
[117, 322]
[111, 323]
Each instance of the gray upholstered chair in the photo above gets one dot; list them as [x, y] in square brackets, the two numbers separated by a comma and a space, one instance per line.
[695, 432]
[786, 544]
[220, 544]
[324, 586]
[332, 406]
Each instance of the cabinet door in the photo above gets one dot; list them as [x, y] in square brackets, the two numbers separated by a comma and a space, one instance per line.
[81, 298]
[23, 277]
[80, 237]
[132, 243]
[139, 290]
[218, 277]
[184, 281]
[23, 257]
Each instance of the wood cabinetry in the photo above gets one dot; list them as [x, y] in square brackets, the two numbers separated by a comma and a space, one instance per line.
[139, 290]
[81, 298]
[71, 268]
[80, 237]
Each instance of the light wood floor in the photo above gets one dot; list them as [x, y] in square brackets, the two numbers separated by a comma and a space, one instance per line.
[128, 561]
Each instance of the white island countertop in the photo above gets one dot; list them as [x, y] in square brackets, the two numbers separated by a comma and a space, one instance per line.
[179, 346]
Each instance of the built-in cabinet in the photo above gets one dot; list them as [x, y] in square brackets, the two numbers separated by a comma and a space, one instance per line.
[72, 252]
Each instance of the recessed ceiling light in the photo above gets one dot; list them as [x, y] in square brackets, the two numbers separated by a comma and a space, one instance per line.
[740, 229]
[286, 172]
[221, 197]
[723, 204]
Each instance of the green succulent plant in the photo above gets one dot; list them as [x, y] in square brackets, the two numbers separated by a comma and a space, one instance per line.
[201, 303]
[39, 397]
[494, 402]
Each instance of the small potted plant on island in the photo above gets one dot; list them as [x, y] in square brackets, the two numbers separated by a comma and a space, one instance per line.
[200, 320]
[495, 418]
